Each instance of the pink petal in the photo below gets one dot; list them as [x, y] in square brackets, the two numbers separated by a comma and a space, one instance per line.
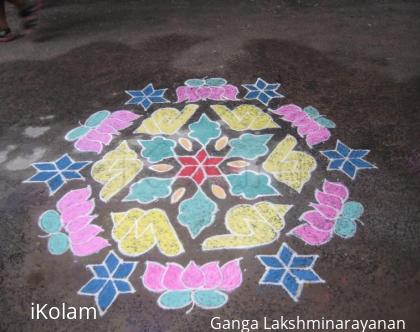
[188, 93]
[96, 135]
[182, 93]
[231, 92]
[289, 112]
[322, 135]
[299, 119]
[115, 123]
[310, 235]
[85, 234]
[172, 277]
[216, 93]
[204, 92]
[337, 189]
[78, 223]
[232, 275]
[125, 116]
[152, 277]
[106, 127]
[87, 145]
[327, 211]
[95, 245]
[307, 126]
[328, 199]
[316, 220]
[72, 198]
[82, 209]
[212, 274]
[192, 276]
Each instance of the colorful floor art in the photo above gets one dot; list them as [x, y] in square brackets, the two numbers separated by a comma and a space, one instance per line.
[198, 171]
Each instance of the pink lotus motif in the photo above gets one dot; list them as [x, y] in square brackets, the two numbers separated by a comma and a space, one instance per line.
[71, 227]
[307, 126]
[319, 226]
[99, 129]
[201, 285]
[159, 278]
[217, 93]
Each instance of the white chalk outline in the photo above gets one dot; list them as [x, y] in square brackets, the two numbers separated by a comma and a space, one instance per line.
[96, 295]
[155, 244]
[51, 193]
[263, 220]
[287, 270]
[233, 113]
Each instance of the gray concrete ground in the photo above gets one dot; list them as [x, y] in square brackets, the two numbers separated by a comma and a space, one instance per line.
[357, 61]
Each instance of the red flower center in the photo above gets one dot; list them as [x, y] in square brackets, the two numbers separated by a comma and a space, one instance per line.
[200, 166]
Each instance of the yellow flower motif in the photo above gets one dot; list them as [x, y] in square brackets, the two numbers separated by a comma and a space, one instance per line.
[293, 168]
[245, 117]
[166, 120]
[115, 170]
[250, 226]
[137, 231]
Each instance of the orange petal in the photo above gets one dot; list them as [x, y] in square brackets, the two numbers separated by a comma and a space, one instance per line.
[218, 191]
[238, 163]
[161, 168]
[177, 195]
[185, 143]
[221, 143]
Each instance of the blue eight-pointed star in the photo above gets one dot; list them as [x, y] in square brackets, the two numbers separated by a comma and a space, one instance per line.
[56, 173]
[109, 280]
[289, 270]
[347, 160]
[146, 97]
[262, 91]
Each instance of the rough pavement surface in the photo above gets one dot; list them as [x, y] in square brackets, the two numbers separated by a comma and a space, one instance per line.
[357, 61]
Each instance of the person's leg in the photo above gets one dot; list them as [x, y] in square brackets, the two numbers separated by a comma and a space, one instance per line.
[28, 11]
[3, 19]
[5, 33]
[19, 4]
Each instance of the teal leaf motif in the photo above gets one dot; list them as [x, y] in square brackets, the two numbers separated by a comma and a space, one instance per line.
[345, 227]
[58, 243]
[148, 190]
[157, 149]
[210, 299]
[76, 133]
[50, 221]
[353, 210]
[250, 185]
[312, 112]
[204, 130]
[197, 213]
[327, 123]
[175, 299]
[95, 119]
[249, 146]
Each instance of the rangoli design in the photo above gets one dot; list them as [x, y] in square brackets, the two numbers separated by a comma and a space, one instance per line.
[223, 177]
[205, 286]
[69, 227]
[289, 270]
[98, 130]
[330, 215]
[216, 89]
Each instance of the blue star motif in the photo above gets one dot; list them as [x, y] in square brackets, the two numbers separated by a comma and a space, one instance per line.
[56, 173]
[146, 97]
[262, 91]
[109, 280]
[289, 270]
[347, 160]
